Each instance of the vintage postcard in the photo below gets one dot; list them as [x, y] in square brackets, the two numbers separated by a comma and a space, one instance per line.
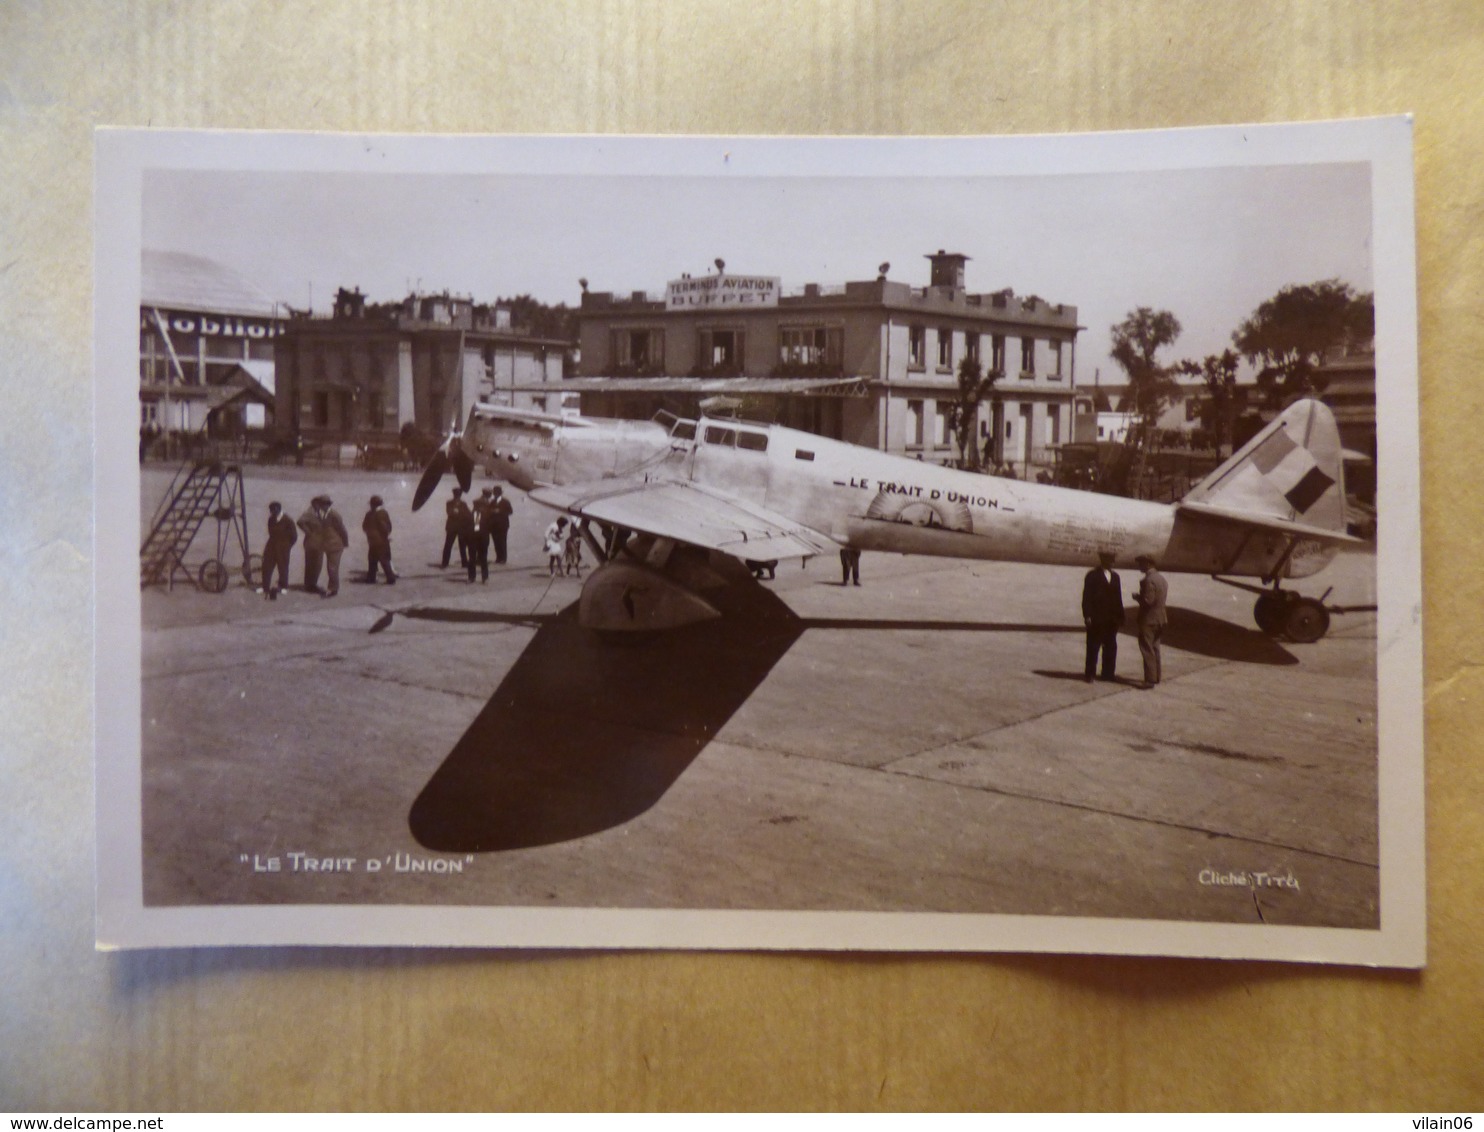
[975, 544]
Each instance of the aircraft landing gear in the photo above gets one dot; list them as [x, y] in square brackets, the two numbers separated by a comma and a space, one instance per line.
[1303, 620]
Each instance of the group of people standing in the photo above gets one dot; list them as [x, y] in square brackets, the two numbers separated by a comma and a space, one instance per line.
[1102, 614]
[474, 528]
[325, 541]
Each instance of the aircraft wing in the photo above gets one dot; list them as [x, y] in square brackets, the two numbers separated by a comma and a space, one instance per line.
[688, 513]
[1268, 523]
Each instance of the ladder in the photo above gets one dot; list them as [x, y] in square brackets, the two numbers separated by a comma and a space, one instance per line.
[208, 490]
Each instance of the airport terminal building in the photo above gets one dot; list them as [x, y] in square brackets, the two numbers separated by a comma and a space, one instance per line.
[873, 363]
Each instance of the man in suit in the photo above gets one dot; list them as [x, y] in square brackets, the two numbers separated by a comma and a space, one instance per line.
[458, 528]
[1153, 617]
[499, 523]
[377, 526]
[1102, 614]
[333, 540]
[479, 545]
[282, 535]
[312, 523]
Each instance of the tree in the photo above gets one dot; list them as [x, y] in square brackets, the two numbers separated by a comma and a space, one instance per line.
[1291, 333]
[974, 385]
[1137, 341]
[541, 319]
[1219, 372]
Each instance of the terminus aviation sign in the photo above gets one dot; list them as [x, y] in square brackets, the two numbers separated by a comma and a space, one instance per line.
[721, 291]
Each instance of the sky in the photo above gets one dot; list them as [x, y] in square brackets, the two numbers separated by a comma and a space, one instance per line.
[1208, 244]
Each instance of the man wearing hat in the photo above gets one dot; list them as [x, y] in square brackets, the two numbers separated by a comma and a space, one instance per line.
[1153, 617]
[281, 539]
[500, 512]
[1102, 615]
[479, 542]
[333, 540]
[312, 524]
[458, 528]
[378, 527]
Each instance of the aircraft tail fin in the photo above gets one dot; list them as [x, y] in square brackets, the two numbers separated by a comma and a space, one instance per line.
[1292, 471]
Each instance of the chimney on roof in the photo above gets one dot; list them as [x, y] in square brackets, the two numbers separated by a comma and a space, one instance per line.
[948, 269]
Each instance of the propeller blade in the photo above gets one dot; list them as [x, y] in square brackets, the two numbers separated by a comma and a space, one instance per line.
[463, 467]
[431, 475]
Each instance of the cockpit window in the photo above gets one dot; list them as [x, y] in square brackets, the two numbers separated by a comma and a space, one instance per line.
[683, 430]
[753, 441]
[717, 435]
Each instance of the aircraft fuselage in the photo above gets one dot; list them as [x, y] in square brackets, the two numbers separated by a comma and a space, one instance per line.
[871, 500]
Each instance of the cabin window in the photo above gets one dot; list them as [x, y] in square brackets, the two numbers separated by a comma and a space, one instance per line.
[718, 435]
[753, 441]
[803, 454]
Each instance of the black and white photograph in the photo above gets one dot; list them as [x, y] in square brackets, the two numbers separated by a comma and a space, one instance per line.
[971, 544]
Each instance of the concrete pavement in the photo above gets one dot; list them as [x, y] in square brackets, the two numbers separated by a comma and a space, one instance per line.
[921, 743]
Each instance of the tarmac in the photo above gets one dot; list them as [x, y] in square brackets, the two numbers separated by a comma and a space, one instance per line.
[924, 742]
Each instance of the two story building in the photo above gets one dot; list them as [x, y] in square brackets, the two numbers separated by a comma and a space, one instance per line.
[366, 370]
[874, 362]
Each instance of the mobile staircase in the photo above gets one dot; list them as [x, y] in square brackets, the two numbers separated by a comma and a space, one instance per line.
[199, 491]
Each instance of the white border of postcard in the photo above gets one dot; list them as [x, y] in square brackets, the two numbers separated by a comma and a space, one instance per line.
[124, 921]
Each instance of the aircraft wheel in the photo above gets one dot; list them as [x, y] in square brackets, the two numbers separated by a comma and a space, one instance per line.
[252, 569]
[1307, 621]
[1268, 613]
[213, 577]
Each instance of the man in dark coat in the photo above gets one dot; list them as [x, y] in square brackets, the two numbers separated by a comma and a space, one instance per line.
[499, 523]
[1102, 614]
[457, 528]
[479, 553]
[378, 528]
[282, 535]
[1153, 617]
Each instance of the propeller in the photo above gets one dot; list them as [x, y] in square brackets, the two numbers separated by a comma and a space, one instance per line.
[431, 475]
[450, 455]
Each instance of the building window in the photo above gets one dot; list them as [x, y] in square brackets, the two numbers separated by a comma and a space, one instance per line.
[940, 426]
[971, 347]
[916, 347]
[803, 348]
[321, 409]
[1056, 371]
[638, 351]
[1027, 357]
[945, 348]
[721, 351]
[914, 424]
[997, 354]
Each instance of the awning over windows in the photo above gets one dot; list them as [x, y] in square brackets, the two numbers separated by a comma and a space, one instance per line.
[706, 386]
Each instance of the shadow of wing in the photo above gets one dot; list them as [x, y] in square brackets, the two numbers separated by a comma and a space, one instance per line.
[584, 734]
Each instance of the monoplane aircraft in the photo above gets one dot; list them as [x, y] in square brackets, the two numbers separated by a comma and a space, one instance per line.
[664, 493]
